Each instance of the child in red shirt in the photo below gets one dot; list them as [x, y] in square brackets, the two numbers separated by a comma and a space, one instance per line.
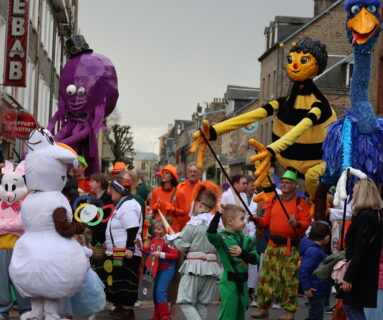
[164, 272]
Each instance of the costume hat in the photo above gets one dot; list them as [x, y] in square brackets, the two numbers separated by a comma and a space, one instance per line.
[171, 169]
[82, 161]
[118, 167]
[291, 175]
[115, 184]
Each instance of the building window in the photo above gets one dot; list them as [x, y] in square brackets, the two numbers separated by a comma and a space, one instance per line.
[31, 85]
[268, 86]
[34, 9]
[349, 70]
[3, 37]
[58, 53]
[143, 166]
[263, 88]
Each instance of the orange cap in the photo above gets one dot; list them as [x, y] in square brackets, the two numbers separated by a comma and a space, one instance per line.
[119, 167]
[171, 169]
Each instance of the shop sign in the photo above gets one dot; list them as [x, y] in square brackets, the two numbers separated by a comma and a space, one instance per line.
[17, 124]
[17, 43]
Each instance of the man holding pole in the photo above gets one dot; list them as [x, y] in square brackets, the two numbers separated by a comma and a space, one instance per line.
[288, 218]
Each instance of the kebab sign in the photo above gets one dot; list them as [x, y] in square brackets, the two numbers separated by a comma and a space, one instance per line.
[17, 43]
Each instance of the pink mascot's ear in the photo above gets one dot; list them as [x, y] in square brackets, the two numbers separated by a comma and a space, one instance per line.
[7, 168]
[20, 169]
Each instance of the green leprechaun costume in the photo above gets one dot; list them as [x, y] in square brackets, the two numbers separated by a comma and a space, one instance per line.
[233, 283]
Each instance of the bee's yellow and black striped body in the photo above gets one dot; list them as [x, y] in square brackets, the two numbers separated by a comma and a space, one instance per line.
[306, 151]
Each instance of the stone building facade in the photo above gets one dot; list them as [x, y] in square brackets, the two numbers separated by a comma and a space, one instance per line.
[50, 22]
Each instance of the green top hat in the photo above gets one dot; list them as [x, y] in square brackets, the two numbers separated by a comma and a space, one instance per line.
[82, 160]
[291, 175]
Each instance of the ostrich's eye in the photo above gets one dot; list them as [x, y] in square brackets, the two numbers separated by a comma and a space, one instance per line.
[355, 9]
[304, 59]
[371, 8]
[81, 92]
[71, 90]
[290, 59]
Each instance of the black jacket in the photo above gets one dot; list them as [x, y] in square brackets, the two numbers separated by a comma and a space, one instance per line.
[98, 231]
[363, 241]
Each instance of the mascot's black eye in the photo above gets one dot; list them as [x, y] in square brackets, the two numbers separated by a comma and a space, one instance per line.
[13, 187]
[81, 92]
[71, 90]
[50, 140]
[355, 9]
[290, 59]
[304, 60]
[371, 8]
[6, 187]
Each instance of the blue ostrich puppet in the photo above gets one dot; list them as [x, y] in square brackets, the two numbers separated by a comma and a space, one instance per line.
[356, 140]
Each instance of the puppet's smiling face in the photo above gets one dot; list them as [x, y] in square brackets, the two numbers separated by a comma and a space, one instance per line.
[83, 84]
[363, 23]
[301, 66]
[76, 94]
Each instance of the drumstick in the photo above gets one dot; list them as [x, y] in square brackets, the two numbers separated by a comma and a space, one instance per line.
[168, 228]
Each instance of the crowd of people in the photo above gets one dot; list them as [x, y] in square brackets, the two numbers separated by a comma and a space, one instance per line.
[201, 245]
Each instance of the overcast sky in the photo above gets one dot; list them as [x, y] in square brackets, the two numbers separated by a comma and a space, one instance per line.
[172, 54]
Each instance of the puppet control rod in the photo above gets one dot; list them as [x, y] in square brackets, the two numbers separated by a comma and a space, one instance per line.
[235, 190]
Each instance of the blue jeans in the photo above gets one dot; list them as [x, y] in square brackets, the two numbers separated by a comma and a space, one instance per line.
[375, 313]
[6, 300]
[161, 284]
[354, 313]
[316, 306]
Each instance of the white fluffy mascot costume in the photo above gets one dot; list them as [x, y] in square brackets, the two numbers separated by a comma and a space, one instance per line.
[47, 262]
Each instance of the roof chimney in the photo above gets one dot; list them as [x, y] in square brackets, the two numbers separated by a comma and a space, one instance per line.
[320, 5]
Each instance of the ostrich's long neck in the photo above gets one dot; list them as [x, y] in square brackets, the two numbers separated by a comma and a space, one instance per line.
[360, 78]
[360, 102]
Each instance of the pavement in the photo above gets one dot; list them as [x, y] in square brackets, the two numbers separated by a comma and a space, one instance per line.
[145, 312]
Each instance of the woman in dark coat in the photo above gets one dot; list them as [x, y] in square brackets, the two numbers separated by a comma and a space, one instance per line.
[360, 283]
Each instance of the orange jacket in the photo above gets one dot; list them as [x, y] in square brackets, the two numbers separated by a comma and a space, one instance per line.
[187, 189]
[276, 220]
[161, 200]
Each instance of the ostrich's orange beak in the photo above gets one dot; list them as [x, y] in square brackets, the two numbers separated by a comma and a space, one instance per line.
[363, 26]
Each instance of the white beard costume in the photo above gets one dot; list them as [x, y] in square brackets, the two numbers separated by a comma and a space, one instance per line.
[46, 266]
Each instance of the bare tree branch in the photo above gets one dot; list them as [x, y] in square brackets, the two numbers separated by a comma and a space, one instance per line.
[121, 140]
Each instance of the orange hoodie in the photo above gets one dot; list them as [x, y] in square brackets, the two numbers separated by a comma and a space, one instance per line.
[276, 220]
[161, 199]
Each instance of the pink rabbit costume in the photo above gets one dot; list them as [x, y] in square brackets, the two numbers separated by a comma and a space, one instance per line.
[12, 190]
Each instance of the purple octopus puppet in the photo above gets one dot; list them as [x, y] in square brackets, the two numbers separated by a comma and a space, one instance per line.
[88, 93]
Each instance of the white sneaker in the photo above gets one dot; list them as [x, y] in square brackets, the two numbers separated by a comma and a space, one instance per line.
[26, 316]
[138, 304]
[254, 303]
[276, 306]
[109, 306]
